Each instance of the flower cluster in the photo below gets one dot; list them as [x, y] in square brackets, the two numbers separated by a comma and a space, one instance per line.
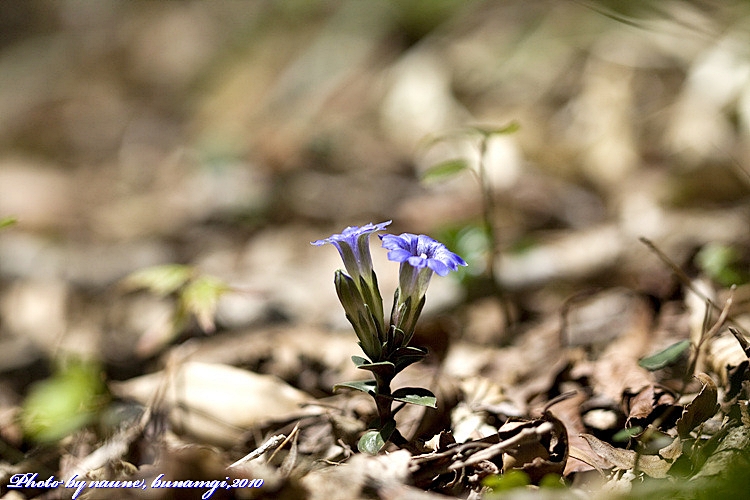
[387, 346]
[358, 292]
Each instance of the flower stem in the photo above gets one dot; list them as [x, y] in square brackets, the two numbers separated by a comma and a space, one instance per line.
[383, 400]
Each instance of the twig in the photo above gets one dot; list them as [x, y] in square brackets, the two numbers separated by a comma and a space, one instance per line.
[525, 436]
[685, 280]
[291, 435]
[271, 442]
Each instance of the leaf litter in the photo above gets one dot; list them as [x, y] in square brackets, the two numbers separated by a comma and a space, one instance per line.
[588, 361]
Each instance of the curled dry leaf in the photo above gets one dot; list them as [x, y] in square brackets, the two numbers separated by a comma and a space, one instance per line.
[723, 352]
[647, 404]
[481, 399]
[216, 402]
[701, 408]
[652, 465]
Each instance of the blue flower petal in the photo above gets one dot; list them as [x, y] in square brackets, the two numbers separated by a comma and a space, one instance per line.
[399, 255]
[439, 267]
[421, 251]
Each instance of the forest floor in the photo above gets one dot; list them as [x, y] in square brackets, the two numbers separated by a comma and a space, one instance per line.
[164, 167]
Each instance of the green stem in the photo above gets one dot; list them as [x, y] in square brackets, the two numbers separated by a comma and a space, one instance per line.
[383, 400]
[488, 206]
[385, 413]
[488, 214]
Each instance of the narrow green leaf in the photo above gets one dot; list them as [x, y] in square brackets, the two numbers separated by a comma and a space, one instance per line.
[385, 369]
[415, 396]
[510, 128]
[7, 221]
[410, 351]
[366, 386]
[625, 434]
[444, 170]
[666, 357]
[359, 361]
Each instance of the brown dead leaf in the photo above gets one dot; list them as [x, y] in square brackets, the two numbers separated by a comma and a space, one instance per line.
[216, 402]
[647, 404]
[548, 456]
[673, 451]
[387, 471]
[701, 408]
[616, 370]
[652, 465]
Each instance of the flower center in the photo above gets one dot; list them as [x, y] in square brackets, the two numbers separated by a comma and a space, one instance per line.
[423, 255]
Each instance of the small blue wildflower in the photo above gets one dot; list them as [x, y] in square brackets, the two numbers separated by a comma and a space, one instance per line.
[358, 291]
[421, 251]
[419, 256]
[353, 245]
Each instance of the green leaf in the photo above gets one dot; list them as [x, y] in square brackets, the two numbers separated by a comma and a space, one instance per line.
[373, 441]
[385, 369]
[359, 361]
[721, 262]
[161, 280]
[625, 434]
[200, 297]
[7, 221]
[406, 356]
[666, 357]
[68, 400]
[510, 128]
[415, 396]
[444, 170]
[508, 481]
[366, 386]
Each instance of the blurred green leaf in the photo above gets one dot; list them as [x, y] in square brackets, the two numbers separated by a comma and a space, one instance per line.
[720, 262]
[665, 357]
[510, 128]
[200, 297]
[625, 434]
[161, 280]
[508, 481]
[63, 403]
[444, 170]
[551, 482]
[7, 221]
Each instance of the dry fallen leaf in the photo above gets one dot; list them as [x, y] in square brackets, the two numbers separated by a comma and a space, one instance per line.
[652, 465]
[701, 408]
[215, 402]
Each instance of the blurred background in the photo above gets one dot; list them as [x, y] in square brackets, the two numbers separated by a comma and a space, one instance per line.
[225, 136]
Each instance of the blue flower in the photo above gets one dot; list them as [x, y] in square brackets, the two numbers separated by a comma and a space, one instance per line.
[353, 245]
[358, 291]
[421, 251]
[419, 256]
